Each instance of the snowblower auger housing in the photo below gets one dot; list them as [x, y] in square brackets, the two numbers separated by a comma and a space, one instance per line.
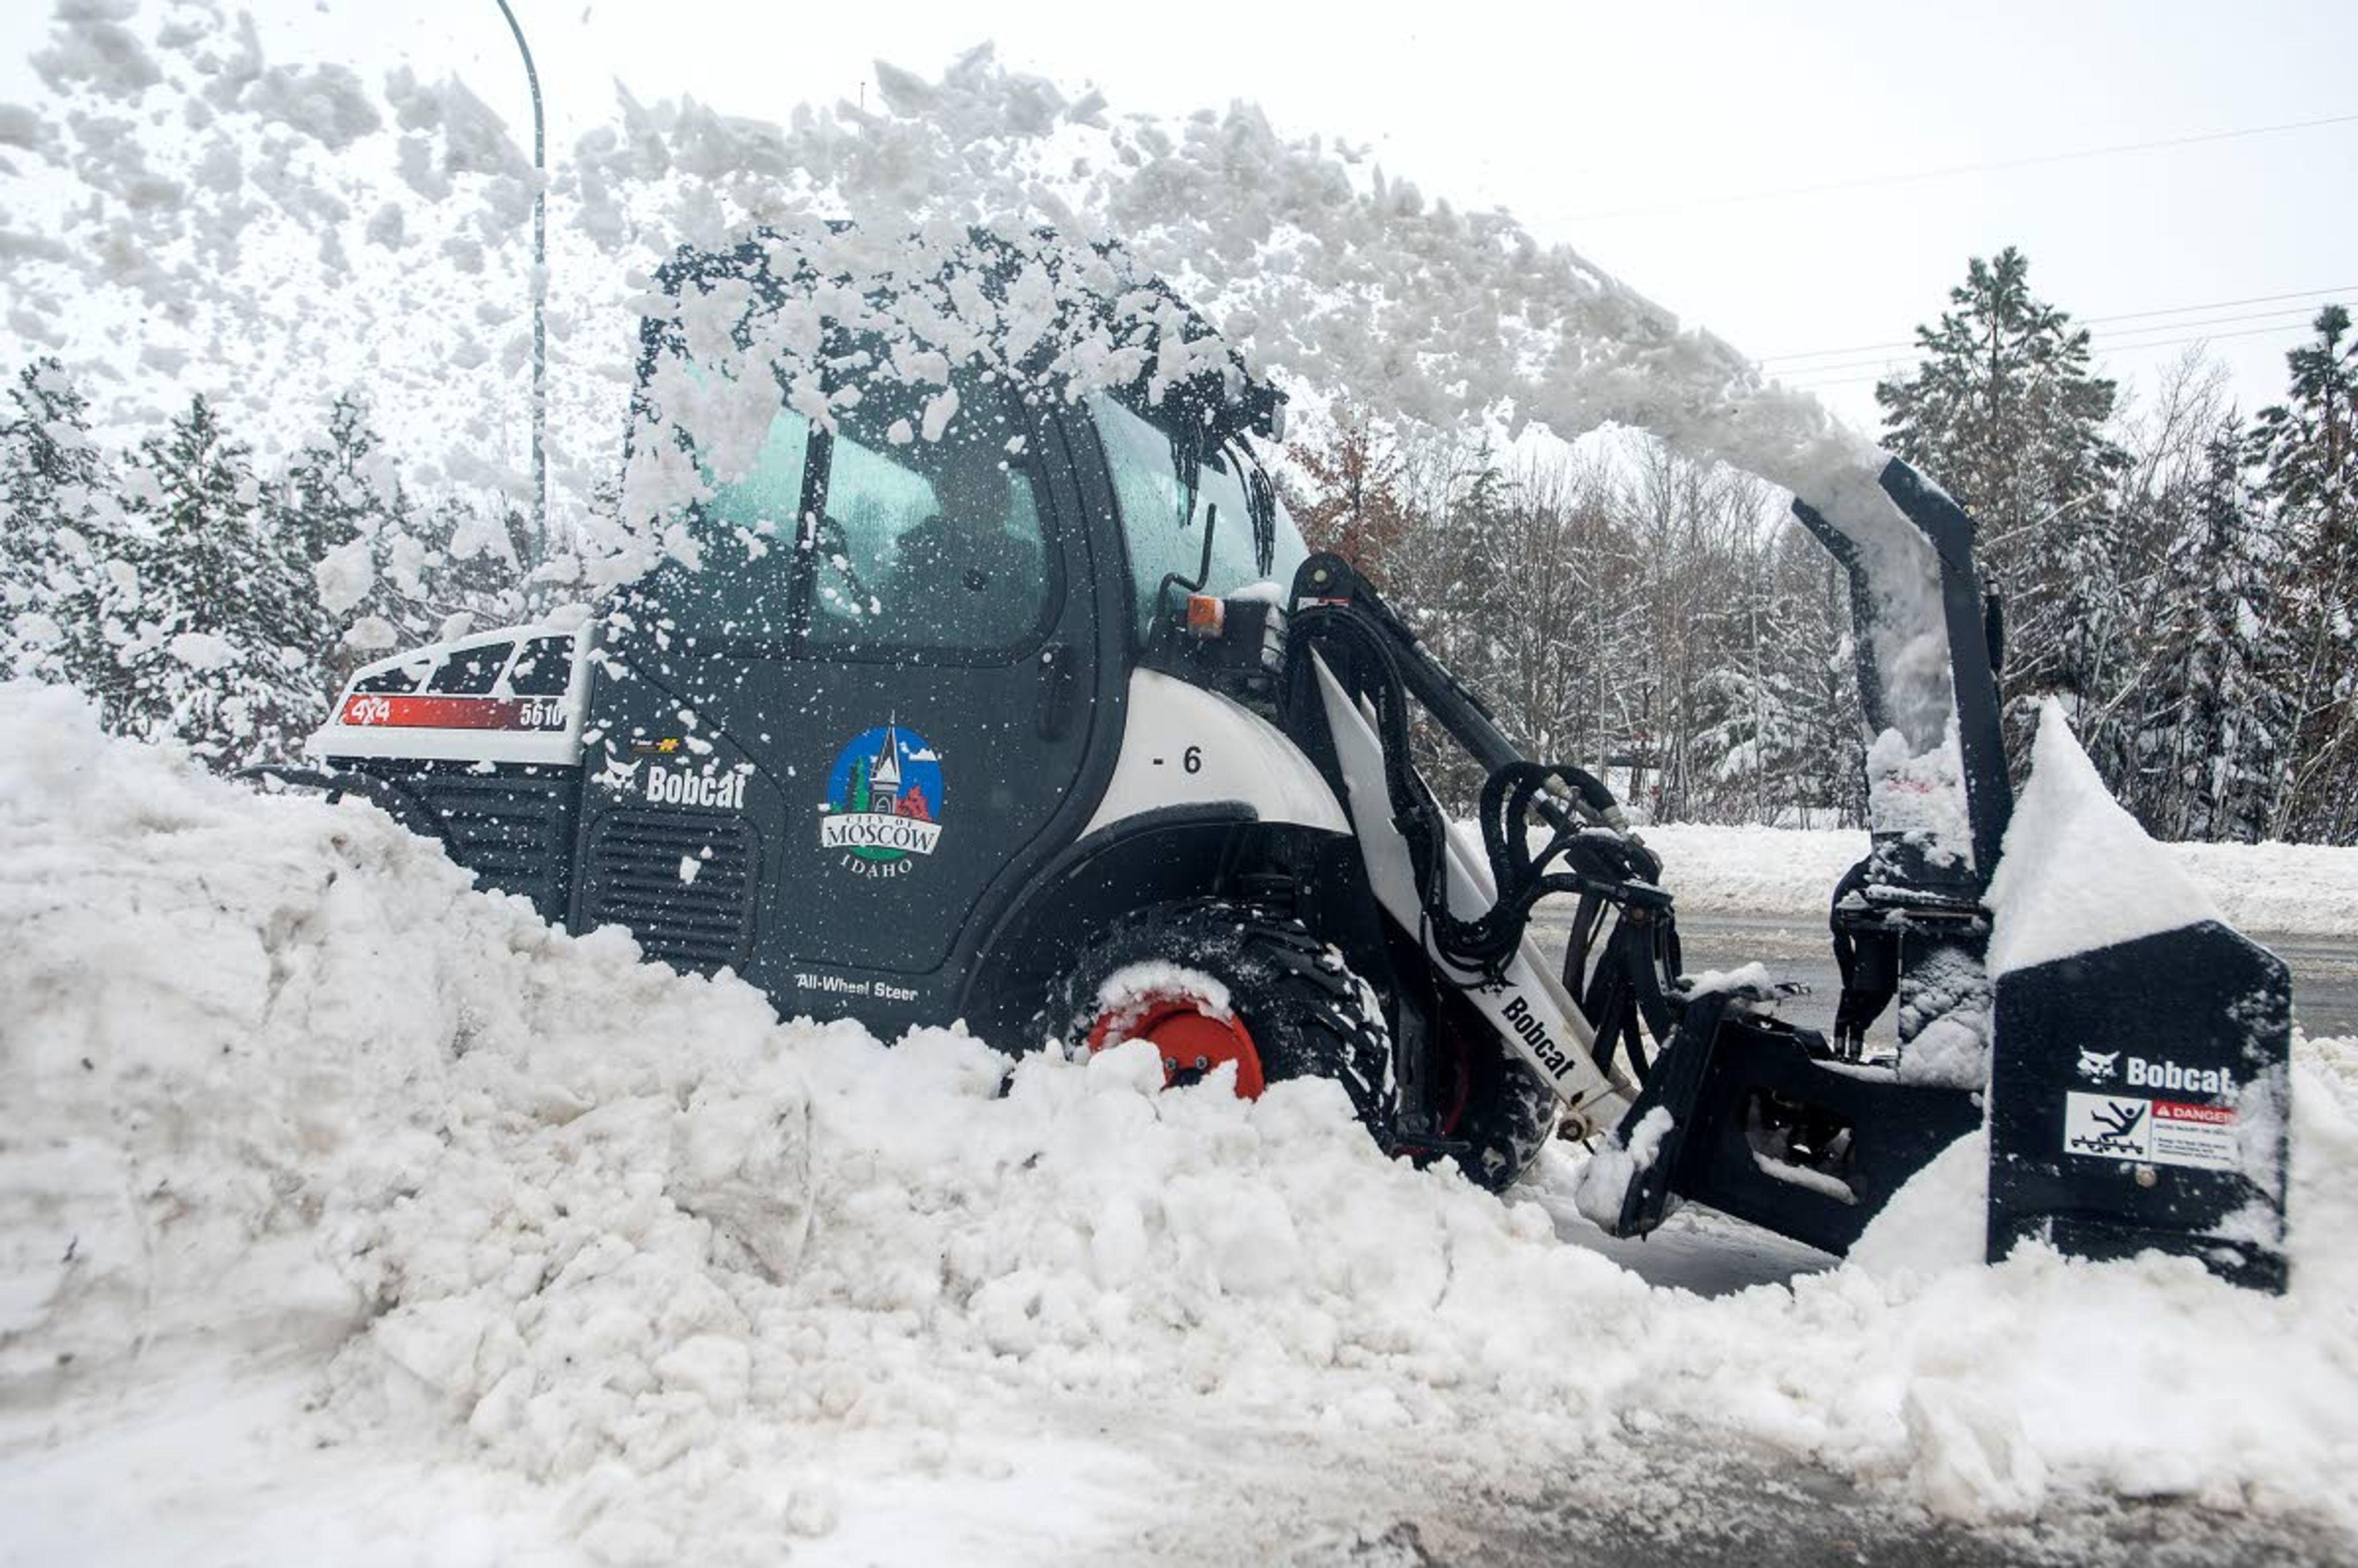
[2181, 1150]
[982, 675]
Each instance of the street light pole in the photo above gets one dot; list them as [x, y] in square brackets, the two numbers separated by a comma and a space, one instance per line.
[539, 297]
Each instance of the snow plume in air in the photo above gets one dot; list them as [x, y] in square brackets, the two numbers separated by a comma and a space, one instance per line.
[296, 229]
[291, 232]
[1309, 257]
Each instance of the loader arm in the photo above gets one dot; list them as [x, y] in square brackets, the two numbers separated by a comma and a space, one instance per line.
[1354, 668]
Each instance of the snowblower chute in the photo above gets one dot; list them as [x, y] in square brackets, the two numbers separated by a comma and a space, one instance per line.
[980, 673]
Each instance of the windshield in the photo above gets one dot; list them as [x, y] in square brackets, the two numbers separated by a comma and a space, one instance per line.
[1252, 538]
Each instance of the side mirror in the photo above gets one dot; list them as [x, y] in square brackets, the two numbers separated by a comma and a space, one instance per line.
[1172, 595]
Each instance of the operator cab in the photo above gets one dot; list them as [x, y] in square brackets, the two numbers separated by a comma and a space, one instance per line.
[881, 677]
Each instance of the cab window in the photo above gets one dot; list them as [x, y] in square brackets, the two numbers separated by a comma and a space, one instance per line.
[873, 537]
[932, 545]
[743, 579]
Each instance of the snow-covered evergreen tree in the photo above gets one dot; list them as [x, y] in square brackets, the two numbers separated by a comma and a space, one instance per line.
[215, 626]
[58, 519]
[344, 518]
[2004, 413]
[2307, 452]
[388, 571]
[2218, 728]
[467, 573]
[328, 502]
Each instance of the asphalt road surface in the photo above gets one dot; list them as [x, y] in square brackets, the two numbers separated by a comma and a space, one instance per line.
[1694, 1498]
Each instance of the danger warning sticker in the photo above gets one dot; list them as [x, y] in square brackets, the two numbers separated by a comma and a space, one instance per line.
[2151, 1131]
[2202, 1136]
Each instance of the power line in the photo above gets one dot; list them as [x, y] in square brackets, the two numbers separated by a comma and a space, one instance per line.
[1952, 170]
[2224, 304]
[2319, 296]
[2123, 348]
[2100, 349]
[2120, 337]
[2300, 313]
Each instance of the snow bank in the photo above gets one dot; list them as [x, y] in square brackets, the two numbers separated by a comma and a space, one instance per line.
[232, 1019]
[2308, 888]
[617, 1253]
[1789, 873]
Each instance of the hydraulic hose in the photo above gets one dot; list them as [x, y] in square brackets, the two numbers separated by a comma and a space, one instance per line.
[1588, 832]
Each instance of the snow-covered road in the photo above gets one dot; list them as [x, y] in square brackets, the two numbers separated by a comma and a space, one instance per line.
[348, 1214]
[1755, 873]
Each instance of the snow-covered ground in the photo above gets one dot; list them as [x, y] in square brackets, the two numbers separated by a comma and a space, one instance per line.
[350, 1216]
[2302, 889]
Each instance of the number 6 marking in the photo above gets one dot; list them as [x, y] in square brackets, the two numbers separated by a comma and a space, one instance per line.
[1193, 760]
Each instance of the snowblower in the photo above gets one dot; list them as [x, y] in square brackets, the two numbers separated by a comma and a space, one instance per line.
[981, 675]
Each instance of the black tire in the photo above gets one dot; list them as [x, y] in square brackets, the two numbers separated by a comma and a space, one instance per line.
[1508, 1112]
[1309, 1016]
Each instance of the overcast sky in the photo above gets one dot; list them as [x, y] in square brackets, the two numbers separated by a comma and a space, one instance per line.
[1643, 134]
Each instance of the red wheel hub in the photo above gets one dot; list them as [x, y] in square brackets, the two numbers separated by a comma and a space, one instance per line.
[1191, 1041]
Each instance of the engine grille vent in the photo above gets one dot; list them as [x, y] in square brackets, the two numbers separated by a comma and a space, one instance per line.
[635, 882]
[515, 833]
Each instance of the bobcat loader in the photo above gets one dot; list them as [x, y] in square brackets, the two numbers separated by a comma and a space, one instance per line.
[982, 677]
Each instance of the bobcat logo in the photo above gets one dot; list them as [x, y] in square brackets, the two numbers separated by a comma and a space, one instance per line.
[2099, 1068]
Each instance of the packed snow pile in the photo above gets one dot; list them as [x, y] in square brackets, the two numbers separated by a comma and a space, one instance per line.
[2077, 871]
[615, 1250]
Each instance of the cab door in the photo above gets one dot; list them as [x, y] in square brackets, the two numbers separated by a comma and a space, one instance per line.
[877, 686]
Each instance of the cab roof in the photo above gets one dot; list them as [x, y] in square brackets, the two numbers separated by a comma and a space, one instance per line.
[1042, 309]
